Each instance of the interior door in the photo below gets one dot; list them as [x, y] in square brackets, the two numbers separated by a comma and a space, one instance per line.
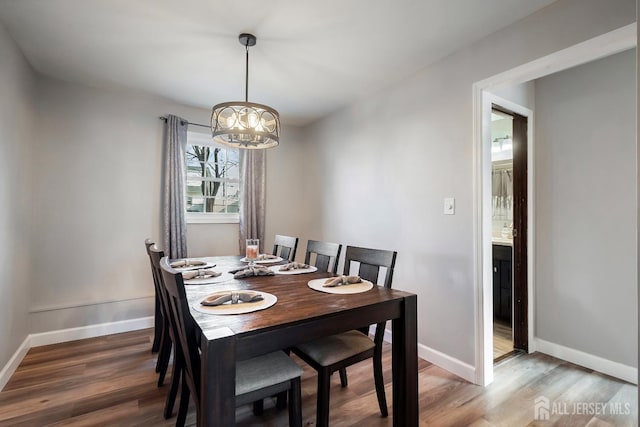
[519, 270]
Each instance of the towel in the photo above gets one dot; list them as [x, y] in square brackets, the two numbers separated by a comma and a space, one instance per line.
[200, 274]
[187, 263]
[293, 266]
[257, 270]
[222, 297]
[341, 281]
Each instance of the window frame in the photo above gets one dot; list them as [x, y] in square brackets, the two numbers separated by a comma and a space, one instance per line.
[203, 139]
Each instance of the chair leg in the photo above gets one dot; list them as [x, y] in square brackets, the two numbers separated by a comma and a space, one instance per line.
[379, 380]
[184, 403]
[295, 403]
[164, 341]
[343, 377]
[157, 329]
[163, 359]
[258, 407]
[324, 388]
[281, 400]
[176, 374]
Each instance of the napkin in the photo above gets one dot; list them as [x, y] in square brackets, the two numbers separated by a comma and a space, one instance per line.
[187, 263]
[220, 298]
[257, 270]
[341, 281]
[293, 266]
[264, 257]
[200, 274]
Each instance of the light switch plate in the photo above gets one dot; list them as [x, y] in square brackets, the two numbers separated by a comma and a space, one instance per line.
[449, 206]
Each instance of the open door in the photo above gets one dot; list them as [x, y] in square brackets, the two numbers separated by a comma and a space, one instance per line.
[509, 242]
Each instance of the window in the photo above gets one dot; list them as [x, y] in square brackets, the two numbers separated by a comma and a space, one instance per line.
[213, 180]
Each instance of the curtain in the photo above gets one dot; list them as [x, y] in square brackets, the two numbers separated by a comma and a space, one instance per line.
[253, 182]
[173, 186]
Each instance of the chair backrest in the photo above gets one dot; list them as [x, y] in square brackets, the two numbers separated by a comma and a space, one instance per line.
[371, 260]
[155, 272]
[148, 243]
[185, 327]
[156, 255]
[327, 255]
[287, 246]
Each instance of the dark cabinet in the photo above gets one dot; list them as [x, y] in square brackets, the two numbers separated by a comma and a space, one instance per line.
[502, 282]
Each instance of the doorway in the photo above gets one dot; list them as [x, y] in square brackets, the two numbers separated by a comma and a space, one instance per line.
[612, 42]
[509, 231]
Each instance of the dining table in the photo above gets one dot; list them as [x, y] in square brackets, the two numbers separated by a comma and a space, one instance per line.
[300, 314]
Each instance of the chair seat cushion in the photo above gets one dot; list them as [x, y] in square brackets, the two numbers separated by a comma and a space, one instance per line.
[329, 350]
[264, 371]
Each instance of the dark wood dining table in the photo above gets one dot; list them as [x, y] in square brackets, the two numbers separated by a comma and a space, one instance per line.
[301, 314]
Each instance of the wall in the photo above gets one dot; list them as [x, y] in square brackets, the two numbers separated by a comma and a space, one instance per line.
[586, 261]
[16, 122]
[386, 163]
[97, 165]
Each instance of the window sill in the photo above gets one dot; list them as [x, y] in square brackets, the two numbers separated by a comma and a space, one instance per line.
[199, 218]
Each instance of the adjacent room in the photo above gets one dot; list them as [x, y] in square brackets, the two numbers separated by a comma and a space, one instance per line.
[363, 212]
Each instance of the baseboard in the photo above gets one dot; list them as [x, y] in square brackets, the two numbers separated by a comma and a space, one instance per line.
[442, 360]
[614, 369]
[90, 331]
[71, 334]
[14, 362]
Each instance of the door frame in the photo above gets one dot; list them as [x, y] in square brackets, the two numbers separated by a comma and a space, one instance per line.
[604, 45]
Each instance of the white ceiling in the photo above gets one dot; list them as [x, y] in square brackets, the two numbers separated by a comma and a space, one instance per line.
[311, 58]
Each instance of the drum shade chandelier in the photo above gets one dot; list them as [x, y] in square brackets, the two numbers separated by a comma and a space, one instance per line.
[245, 124]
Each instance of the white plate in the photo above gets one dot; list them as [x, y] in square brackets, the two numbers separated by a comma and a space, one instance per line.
[208, 280]
[276, 269]
[239, 308]
[195, 267]
[263, 261]
[355, 288]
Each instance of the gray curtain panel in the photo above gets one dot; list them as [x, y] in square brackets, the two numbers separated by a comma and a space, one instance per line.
[253, 181]
[173, 181]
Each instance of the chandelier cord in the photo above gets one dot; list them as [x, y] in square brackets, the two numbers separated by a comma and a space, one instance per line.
[246, 73]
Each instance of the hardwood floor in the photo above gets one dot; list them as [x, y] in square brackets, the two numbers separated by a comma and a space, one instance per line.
[111, 381]
[502, 339]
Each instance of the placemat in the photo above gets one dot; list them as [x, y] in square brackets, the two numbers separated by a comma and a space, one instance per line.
[209, 280]
[355, 288]
[239, 308]
[276, 269]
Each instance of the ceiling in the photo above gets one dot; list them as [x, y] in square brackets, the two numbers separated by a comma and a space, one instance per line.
[312, 58]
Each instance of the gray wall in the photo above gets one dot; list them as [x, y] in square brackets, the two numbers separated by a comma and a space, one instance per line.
[386, 163]
[586, 257]
[16, 120]
[97, 165]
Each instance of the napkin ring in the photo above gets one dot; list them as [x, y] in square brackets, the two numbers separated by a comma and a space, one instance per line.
[234, 297]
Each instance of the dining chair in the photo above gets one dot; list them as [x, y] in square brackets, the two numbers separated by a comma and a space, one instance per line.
[158, 320]
[326, 255]
[256, 378]
[336, 352]
[178, 359]
[164, 341]
[287, 246]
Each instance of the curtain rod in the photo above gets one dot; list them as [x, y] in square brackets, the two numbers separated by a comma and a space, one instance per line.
[164, 119]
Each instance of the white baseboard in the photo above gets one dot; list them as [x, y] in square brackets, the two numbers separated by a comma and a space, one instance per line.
[615, 369]
[14, 362]
[90, 331]
[71, 334]
[442, 360]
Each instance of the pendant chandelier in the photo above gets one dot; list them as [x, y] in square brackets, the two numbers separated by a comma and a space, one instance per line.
[245, 124]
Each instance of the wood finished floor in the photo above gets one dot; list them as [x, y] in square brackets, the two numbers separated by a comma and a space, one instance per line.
[111, 381]
[502, 339]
